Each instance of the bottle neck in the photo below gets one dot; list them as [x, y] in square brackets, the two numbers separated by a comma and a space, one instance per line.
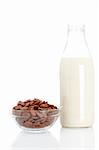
[76, 38]
[76, 45]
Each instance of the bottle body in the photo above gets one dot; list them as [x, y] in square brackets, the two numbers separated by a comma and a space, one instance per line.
[76, 91]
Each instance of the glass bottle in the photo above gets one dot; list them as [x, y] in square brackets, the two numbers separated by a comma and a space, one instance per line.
[76, 81]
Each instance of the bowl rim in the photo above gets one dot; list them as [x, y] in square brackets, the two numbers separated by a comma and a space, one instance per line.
[44, 111]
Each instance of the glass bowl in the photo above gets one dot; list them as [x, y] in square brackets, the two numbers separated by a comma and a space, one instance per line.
[35, 120]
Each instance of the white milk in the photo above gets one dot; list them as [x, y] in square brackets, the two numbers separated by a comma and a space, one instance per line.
[76, 92]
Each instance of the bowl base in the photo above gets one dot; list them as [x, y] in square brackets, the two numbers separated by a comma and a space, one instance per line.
[35, 130]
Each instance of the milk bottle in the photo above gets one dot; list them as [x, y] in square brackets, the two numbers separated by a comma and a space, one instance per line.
[76, 81]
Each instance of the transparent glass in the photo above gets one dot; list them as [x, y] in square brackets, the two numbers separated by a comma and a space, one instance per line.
[76, 45]
[76, 80]
[39, 123]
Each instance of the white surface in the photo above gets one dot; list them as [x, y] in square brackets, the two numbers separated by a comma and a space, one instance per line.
[32, 37]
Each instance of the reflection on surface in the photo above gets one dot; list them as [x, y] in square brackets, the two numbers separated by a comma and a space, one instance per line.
[70, 139]
[28, 141]
[77, 138]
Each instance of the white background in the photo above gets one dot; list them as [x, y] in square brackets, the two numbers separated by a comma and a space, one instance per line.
[32, 38]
